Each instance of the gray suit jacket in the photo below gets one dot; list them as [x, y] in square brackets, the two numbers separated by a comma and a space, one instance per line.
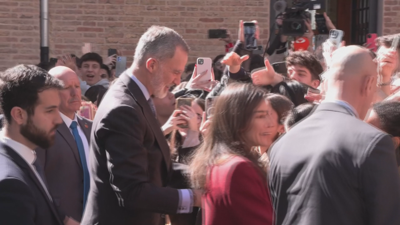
[333, 168]
[130, 161]
[63, 170]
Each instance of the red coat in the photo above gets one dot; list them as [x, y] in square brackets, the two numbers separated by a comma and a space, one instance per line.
[236, 195]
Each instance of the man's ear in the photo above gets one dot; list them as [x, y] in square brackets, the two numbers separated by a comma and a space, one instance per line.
[315, 83]
[152, 65]
[18, 115]
[369, 86]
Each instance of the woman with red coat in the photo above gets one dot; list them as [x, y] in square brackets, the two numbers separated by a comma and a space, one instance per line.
[227, 166]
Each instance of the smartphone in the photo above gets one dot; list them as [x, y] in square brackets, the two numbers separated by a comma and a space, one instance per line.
[204, 66]
[250, 40]
[112, 51]
[181, 102]
[321, 24]
[210, 106]
[280, 67]
[217, 33]
[336, 37]
[120, 65]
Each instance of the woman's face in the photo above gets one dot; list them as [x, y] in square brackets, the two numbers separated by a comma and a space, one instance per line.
[199, 112]
[264, 127]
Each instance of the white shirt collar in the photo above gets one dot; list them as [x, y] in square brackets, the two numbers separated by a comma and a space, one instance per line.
[26, 153]
[67, 120]
[141, 86]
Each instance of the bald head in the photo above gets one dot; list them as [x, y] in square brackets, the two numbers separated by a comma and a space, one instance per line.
[60, 72]
[352, 61]
[71, 94]
[353, 77]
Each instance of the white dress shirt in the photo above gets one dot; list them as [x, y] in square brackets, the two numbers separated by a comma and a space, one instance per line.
[85, 142]
[185, 195]
[27, 154]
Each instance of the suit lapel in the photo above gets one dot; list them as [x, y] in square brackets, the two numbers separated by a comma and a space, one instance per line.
[151, 120]
[64, 131]
[10, 153]
[85, 126]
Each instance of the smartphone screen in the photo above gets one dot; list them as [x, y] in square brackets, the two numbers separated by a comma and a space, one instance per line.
[120, 66]
[112, 51]
[250, 35]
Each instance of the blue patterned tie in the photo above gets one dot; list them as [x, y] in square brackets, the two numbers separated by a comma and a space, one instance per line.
[86, 178]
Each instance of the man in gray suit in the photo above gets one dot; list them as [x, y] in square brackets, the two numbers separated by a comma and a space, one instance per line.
[66, 162]
[332, 168]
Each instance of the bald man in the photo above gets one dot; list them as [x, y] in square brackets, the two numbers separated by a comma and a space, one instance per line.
[332, 168]
[66, 162]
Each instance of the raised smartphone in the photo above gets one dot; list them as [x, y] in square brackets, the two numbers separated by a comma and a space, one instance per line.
[204, 66]
[250, 40]
[336, 37]
[120, 65]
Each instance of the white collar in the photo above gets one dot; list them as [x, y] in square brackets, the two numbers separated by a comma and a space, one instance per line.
[68, 120]
[26, 153]
[141, 86]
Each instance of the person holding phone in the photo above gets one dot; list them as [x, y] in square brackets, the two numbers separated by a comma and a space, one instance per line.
[127, 136]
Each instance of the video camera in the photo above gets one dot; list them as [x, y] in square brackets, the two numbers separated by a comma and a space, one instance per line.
[294, 14]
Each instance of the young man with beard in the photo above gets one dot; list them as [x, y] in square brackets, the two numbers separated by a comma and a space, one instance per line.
[130, 158]
[29, 100]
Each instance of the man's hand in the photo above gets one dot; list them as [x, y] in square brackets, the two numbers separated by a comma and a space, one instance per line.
[197, 81]
[264, 77]
[234, 61]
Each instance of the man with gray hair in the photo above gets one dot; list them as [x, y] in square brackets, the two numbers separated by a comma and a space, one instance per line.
[130, 158]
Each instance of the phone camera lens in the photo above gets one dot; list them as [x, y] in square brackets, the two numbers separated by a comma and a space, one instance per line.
[200, 61]
[369, 36]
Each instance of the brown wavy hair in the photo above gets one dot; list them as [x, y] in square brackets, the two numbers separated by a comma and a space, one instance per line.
[233, 113]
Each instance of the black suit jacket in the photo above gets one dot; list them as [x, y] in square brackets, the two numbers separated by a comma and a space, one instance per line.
[333, 168]
[22, 198]
[63, 170]
[130, 161]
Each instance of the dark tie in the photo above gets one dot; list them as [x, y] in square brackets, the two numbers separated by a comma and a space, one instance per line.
[81, 149]
[39, 170]
[153, 109]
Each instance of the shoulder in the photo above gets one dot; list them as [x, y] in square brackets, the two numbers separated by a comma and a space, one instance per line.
[237, 167]
[8, 168]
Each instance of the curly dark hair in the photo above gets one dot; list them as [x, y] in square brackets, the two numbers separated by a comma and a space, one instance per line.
[308, 60]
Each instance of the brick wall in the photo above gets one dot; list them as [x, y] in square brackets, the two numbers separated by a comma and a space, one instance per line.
[391, 17]
[119, 24]
[19, 32]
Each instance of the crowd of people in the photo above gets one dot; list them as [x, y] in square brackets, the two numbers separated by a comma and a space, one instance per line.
[316, 144]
